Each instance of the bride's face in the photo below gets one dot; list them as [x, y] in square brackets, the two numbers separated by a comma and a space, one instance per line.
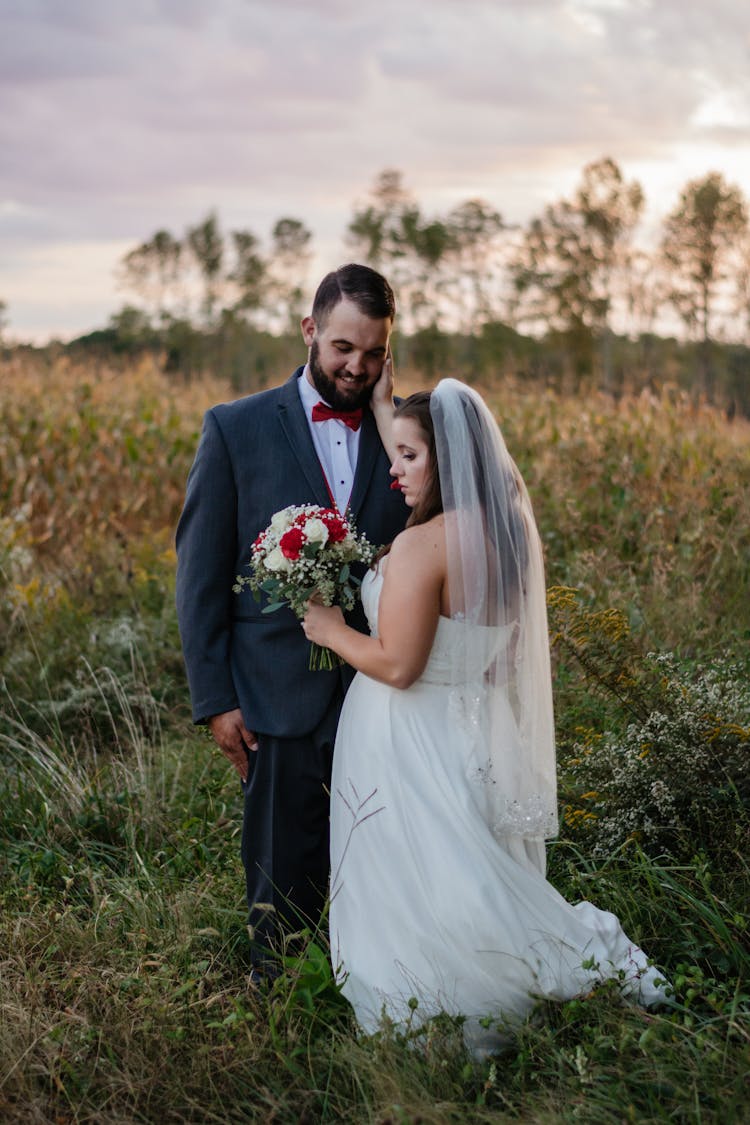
[411, 464]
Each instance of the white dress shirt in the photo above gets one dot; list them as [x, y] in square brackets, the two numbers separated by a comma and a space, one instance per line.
[335, 443]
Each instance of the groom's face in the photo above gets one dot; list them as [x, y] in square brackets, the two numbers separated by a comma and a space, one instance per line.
[347, 353]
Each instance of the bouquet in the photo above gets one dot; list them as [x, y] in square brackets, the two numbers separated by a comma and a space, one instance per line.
[307, 551]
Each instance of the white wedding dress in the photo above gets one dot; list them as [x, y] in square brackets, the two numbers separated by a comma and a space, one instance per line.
[426, 903]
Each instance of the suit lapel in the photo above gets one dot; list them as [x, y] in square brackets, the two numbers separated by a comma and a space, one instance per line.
[369, 447]
[294, 424]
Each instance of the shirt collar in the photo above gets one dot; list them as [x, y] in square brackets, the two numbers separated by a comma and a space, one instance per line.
[307, 392]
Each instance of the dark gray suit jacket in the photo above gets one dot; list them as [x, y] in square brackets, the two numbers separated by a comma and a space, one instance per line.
[255, 457]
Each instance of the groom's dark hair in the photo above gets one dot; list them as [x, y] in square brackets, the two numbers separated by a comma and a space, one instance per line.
[363, 286]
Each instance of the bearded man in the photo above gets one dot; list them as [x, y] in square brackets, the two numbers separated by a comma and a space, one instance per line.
[312, 440]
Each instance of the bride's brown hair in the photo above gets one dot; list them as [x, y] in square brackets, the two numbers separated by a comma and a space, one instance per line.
[430, 500]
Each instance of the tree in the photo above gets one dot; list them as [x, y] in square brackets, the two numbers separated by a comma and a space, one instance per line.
[472, 230]
[3, 319]
[698, 246]
[207, 246]
[391, 234]
[645, 293]
[566, 271]
[153, 271]
[132, 329]
[742, 300]
[419, 271]
[249, 273]
[383, 232]
[376, 231]
[291, 254]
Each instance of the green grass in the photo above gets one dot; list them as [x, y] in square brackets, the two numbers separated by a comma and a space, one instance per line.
[124, 974]
[125, 992]
[125, 986]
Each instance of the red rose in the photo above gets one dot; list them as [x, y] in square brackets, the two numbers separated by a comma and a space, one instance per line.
[337, 528]
[291, 543]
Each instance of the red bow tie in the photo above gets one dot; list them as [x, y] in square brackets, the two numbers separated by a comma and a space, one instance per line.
[350, 418]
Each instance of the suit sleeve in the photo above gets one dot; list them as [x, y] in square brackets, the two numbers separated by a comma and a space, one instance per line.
[206, 544]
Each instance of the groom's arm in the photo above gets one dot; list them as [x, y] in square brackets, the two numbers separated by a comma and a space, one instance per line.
[206, 560]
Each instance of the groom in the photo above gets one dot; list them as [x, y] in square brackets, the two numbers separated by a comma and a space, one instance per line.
[312, 440]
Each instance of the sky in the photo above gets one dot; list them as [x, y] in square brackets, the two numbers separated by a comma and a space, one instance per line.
[120, 118]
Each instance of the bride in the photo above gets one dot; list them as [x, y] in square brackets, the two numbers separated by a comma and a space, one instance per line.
[443, 787]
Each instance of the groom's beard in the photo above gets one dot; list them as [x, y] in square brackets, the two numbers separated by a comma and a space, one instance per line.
[329, 389]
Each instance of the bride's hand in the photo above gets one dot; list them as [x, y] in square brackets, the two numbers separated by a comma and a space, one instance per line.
[382, 406]
[382, 391]
[321, 622]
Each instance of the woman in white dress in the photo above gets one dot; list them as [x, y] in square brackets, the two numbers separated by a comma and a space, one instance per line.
[443, 787]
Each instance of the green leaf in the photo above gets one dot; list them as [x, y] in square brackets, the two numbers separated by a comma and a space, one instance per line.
[273, 607]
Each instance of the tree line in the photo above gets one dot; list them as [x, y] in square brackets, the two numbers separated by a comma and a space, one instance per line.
[573, 289]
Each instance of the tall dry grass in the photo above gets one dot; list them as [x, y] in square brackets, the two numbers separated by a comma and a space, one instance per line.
[89, 454]
[643, 501]
[124, 990]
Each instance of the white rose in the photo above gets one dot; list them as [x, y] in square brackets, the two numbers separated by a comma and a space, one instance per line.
[282, 520]
[276, 561]
[316, 531]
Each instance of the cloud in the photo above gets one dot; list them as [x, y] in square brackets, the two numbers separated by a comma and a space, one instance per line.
[117, 119]
[603, 72]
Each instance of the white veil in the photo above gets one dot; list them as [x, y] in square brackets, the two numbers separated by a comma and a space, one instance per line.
[500, 679]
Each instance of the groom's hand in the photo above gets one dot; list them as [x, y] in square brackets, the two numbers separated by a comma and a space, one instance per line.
[233, 739]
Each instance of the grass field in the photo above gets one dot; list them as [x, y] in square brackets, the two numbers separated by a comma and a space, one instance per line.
[124, 990]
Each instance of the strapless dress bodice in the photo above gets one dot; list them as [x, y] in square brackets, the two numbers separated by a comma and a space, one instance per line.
[457, 645]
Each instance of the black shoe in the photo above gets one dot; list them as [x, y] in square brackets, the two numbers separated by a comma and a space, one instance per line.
[263, 975]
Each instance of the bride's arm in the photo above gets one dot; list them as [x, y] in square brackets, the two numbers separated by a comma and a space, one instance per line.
[407, 616]
[381, 405]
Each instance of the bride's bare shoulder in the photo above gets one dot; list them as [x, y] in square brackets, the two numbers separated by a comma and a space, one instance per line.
[421, 538]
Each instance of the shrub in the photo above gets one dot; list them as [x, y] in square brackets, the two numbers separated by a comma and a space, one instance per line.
[674, 772]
